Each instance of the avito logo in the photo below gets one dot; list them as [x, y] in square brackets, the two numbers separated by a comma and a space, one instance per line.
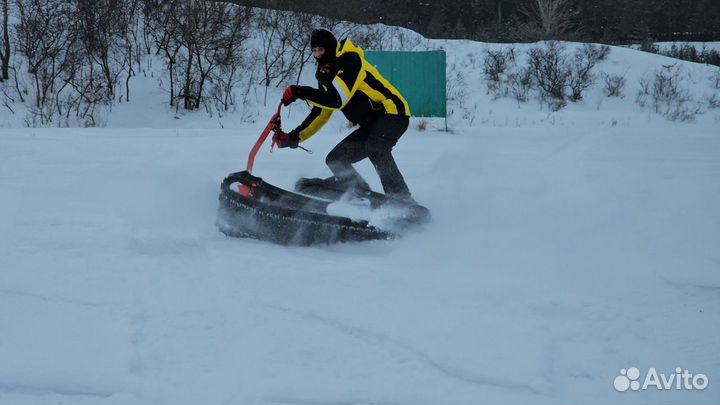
[679, 380]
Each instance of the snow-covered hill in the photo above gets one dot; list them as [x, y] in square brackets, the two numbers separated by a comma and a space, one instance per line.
[470, 104]
[565, 247]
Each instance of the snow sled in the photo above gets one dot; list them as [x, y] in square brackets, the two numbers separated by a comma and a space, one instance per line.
[253, 208]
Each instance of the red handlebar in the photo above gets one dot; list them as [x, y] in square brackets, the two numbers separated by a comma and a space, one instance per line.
[273, 125]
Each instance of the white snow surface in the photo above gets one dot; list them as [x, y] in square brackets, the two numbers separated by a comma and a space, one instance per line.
[564, 247]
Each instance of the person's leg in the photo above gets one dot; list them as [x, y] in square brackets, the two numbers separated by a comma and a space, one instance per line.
[382, 137]
[350, 150]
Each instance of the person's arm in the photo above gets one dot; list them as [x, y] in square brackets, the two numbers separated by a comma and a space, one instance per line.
[312, 124]
[343, 86]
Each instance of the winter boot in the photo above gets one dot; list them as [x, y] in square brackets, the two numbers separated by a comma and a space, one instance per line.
[333, 183]
[403, 197]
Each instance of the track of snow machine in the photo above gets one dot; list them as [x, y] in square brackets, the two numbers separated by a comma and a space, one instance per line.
[250, 207]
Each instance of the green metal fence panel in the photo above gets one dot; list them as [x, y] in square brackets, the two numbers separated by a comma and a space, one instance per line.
[419, 76]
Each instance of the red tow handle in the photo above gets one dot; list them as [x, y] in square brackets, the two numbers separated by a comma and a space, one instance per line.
[274, 126]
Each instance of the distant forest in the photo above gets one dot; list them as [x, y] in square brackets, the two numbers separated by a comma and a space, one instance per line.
[606, 21]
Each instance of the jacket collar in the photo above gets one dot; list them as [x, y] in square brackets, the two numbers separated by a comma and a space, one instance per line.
[346, 46]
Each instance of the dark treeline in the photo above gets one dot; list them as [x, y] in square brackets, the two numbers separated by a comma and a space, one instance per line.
[608, 21]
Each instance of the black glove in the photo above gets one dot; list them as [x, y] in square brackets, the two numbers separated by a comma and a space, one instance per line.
[285, 140]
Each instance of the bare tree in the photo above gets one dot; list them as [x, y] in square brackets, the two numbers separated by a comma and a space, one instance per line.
[231, 58]
[42, 51]
[71, 67]
[547, 19]
[149, 17]
[210, 38]
[209, 45]
[104, 31]
[5, 50]
[130, 44]
[202, 42]
[278, 58]
[300, 41]
[163, 28]
[185, 18]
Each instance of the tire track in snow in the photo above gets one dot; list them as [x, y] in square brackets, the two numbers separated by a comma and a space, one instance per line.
[374, 338]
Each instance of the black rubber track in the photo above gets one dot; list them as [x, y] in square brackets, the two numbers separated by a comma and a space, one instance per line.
[284, 217]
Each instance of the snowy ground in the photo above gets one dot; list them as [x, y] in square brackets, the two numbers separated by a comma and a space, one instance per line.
[557, 257]
[565, 247]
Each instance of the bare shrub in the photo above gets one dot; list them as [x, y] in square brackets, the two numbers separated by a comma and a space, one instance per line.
[422, 125]
[494, 64]
[581, 77]
[667, 89]
[6, 99]
[556, 104]
[455, 91]
[712, 101]
[401, 39]
[614, 85]
[519, 84]
[369, 37]
[715, 79]
[597, 53]
[666, 95]
[683, 111]
[550, 71]
[642, 98]
[456, 85]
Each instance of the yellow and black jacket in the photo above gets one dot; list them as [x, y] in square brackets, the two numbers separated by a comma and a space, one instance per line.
[356, 88]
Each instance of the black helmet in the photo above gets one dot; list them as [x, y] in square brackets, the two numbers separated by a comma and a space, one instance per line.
[324, 38]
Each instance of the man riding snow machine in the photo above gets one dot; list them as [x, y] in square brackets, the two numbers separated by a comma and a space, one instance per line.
[250, 207]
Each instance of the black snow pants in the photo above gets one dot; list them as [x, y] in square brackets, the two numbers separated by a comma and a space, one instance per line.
[374, 141]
